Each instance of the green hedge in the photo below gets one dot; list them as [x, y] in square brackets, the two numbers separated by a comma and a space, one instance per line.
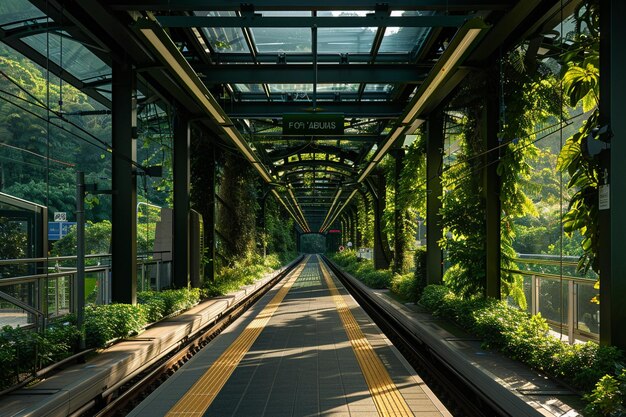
[588, 367]
[363, 269]
[24, 351]
[244, 272]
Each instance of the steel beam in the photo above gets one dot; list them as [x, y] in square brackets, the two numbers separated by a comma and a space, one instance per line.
[304, 73]
[259, 21]
[124, 207]
[229, 5]
[365, 138]
[315, 163]
[363, 110]
[307, 58]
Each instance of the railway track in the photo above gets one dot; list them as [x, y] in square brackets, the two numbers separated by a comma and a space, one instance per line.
[461, 396]
[121, 398]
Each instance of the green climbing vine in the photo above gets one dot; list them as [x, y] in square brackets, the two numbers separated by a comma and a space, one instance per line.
[581, 78]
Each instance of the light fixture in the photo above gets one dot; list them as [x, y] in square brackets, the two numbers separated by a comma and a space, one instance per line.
[414, 126]
[297, 206]
[164, 46]
[291, 213]
[367, 170]
[330, 209]
[345, 204]
[233, 135]
[381, 152]
[444, 66]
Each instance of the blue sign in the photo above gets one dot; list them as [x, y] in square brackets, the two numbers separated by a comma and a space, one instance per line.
[58, 230]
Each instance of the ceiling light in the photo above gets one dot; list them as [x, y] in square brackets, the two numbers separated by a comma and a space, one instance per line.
[444, 66]
[164, 46]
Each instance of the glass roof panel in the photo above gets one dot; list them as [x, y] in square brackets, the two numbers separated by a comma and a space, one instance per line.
[337, 88]
[69, 54]
[378, 88]
[287, 40]
[345, 40]
[18, 11]
[404, 39]
[249, 88]
[224, 40]
[291, 88]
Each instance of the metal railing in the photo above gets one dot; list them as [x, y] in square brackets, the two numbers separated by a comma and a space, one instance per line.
[564, 300]
[37, 289]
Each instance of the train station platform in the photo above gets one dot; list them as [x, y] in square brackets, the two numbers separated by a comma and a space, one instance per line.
[306, 349]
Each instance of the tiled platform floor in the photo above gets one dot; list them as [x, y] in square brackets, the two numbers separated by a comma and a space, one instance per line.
[301, 364]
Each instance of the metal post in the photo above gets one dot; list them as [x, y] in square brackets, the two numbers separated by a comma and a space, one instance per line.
[182, 143]
[491, 187]
[534, 303]
[399, 238]
[434, 162]
[158, 275]
[80, 256]
[124, 201]
[612, 221]
[571, 311]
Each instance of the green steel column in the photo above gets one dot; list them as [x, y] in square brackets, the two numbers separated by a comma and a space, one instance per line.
[357, 231]
[381, 257]
[400, 265]
[209, 221]
[491, 187]
[354, 226]
[434, 162]
[612, 219]
[124, 179]
[180, 247]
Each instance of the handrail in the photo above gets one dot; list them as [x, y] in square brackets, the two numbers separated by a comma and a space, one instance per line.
[544, 262]
[64, 258]
[49, 259]
[551, 276]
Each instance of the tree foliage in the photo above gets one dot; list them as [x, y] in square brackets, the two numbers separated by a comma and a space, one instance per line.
[581, 86]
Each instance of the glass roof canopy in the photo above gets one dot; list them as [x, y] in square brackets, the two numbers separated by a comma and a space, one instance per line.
[296, 49]
[368, 61]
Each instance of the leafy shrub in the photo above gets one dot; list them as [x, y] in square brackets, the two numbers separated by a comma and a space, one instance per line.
[432, 297]
[154, 305]
[419, 259]
[405, 286]
[526, 338]
[241, 273]
[104, 323]
[24, 351]
[608, 398]
[363, 269]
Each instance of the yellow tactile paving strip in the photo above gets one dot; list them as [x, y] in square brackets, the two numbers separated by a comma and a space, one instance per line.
[198, 399]
[388, 400]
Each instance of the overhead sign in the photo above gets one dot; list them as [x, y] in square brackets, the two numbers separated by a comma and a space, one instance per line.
[313, 124]
[60, 216]
[58, 230]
